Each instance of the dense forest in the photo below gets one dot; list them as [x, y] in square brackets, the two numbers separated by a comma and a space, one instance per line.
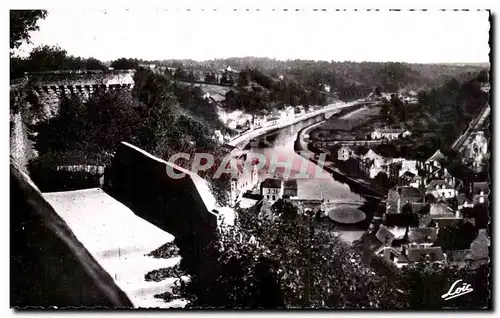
[257, 92]
[348, 78]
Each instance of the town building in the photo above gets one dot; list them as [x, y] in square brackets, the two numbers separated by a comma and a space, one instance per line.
[393, 202]
[371, 164]
[422, 236]
[480, 192]
[399, 166]
[246, 178]
[441, 189]
[344, 153]
[399, 223]
[231, 124]
[390, 134]
[463, 201]
[384, 235]
[409, 195]
[258, 121]
[290, 111]
[272, 120]
[218, 137]
[290, 189]
[272, 189]
[476, 146]
[411, 253]
[443, 215]
[411, 180]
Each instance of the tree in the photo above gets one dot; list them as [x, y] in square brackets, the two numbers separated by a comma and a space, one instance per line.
[181, 75]
[47, 58]
[456, 237]
[301, 264]
[243, 78]
[22, 22]
[94, 64]
[424, 283]
[95, 126]
[382, 180]
[125, 64]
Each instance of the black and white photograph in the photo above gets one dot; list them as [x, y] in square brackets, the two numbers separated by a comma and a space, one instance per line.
[250, 159]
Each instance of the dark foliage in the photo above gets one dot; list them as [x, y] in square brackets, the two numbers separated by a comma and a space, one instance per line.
[158, 275]
[125, 64]
[456, 237]
[167, 250]
[22, 22]
[51, 58]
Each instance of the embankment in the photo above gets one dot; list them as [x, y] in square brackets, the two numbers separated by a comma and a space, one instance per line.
[302, 149]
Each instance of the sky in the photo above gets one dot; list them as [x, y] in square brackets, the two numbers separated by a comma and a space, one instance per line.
[404, 36]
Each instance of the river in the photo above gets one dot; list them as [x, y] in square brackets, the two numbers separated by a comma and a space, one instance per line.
[280, 145]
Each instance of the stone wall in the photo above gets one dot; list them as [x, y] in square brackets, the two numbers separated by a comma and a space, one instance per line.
[21, 149]
[48, 265]
[178, 206]
[183, 207]
[50, 87]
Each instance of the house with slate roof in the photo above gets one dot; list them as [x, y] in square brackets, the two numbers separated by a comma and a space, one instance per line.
[411, 254]
[410, 179]
[441, 189]
[372, 164]
[410, 194]
[290, 189]
[464, 201]
[388, 133]
[272, 189]
[480, 192]
[423, 236]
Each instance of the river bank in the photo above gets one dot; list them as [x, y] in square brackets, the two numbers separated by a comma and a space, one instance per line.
[349, 232]
[242, 139]
[301, 148]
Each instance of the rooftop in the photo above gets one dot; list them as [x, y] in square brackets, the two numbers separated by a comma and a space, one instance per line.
[458, 255]
[437, 156]
[422, 234]
[419, 207]
[384, 235]
[441, 210]
[477, 187]
[291, 184]
[399, 219]
[372, 155]
[408, 176]
[463, 198]
[390, 130]
[432, 254]
[435, 184]
[272, 183]
[410, 194]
